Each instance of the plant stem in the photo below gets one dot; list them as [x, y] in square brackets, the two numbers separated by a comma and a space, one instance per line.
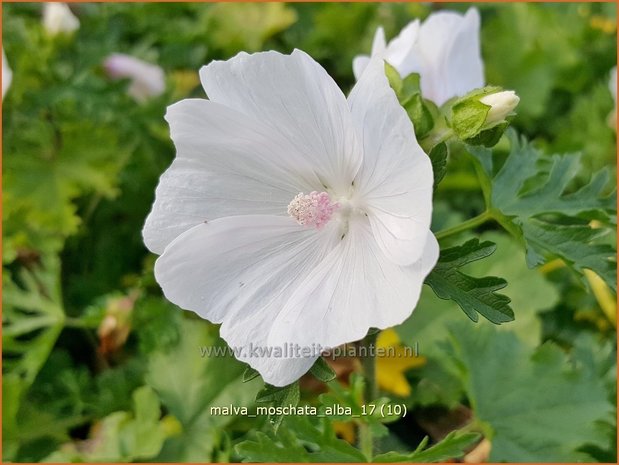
[366, 441]
[468, 224]
[369, 366]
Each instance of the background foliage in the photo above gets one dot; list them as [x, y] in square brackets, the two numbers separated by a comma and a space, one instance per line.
[97, 366]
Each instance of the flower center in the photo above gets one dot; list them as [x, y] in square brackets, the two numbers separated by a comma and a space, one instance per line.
[313, 209]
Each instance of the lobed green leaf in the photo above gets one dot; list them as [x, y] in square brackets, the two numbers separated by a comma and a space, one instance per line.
[474, 295]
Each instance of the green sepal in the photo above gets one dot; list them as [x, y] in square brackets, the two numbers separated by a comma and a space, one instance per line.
[395, 81]
[489, 137]
[250, 374]
[419, 114]
[322, 371]
[438, 157]
[468, 118]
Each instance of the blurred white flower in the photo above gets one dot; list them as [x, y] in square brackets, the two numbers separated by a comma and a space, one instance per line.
[58, 19]
[444, 50]
[7, 74]
[501, 104]
[147, 80]
[291, 215]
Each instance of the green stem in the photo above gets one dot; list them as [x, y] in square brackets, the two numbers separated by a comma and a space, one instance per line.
[369, 366]
[468, 224]
[366, 441]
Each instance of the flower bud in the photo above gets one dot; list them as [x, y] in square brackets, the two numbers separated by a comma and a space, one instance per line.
[501, 105]
[481, 116]
[7, 74]
[115, 327]
[58, 19]
[146, 80]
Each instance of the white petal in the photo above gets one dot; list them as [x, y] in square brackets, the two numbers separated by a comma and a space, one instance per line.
[296, 97]
[395, 181]
[188, 194]
[238, 262]
[400, 50]
[379, 44]
[248, 336]
[353, 289]
[359, 63]
[401, 239]
[7, 74]
[241, 271]
[227, 164]
[449, 47]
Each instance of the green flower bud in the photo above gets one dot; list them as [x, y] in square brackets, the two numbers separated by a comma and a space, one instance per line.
[481, 116]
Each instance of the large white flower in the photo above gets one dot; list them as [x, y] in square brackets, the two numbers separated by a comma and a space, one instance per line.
[292, 215]
[7, 74]
[147, 80]
[444, 50]
[58, 19]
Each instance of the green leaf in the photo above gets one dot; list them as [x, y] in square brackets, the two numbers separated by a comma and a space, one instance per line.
[530, 292]
[549, 217]
[351, 396]
[260, 22]
[33, 317]
[549, 196]
[265, 449]
[299, 439]
[438, 157]
[566, 241]
[346, 403]
[534, 404]
[122, 436]
[452, 446]
[323, 371]
[279, 397]
[189, 384]
[143, 436]
[474, 295]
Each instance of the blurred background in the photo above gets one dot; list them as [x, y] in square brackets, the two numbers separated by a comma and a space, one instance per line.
[98, 366]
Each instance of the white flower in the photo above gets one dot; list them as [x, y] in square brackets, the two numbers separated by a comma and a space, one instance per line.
[501, 105]
[58, 19]
[444, 50]
[7, 74]
[292, 215]
[147, 80]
